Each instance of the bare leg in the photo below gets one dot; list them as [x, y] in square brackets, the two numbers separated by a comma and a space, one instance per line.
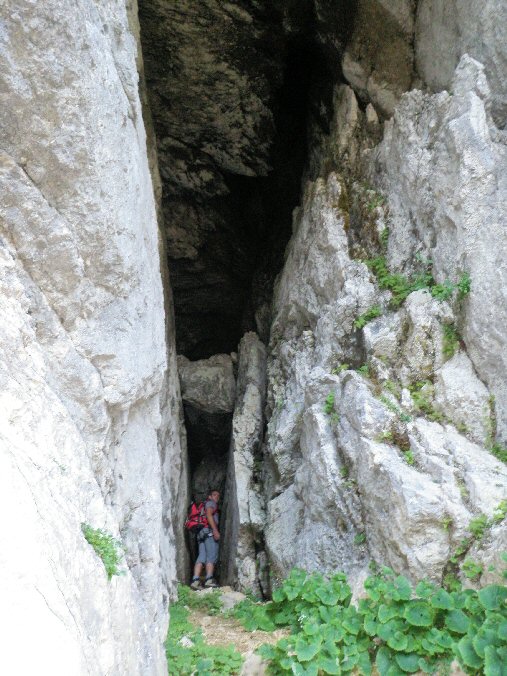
[210, 567]
[198, 569]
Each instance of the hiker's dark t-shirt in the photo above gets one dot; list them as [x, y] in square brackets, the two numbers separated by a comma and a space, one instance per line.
[213, 505]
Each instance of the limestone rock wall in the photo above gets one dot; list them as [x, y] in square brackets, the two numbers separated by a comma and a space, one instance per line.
[378, 443]
[83, 352]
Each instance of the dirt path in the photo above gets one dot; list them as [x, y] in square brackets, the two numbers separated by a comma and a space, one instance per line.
[222, 631]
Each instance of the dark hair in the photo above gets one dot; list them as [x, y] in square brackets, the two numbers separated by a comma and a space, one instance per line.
[213, 490]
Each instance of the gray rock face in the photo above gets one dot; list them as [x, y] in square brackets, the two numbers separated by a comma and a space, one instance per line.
[358, 471]
[446, 145]
[244, 508]
[208, 390]
[447, 30]
[378, 64]
[208, 384]
[82, 347]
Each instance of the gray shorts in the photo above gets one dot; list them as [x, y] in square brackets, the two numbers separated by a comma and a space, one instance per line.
[208, 547]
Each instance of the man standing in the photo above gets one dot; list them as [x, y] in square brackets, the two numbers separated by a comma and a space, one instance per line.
[207, 540]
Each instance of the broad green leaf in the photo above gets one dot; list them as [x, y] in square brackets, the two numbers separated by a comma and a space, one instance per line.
[370, 626]
[384, 661]
[419, 613]
[326, 613]
[278, 595]
[502, 631]
[287, 663]
[306, 650]
[306, 670]
[493, 597]
[444, 640]
[403, 588]
[352, 624]
[442, 599]
[387, 612]
[327, 596]
[311, 628]
[467, 653]
[457, 621]
[425, 589]
[425, 666]
[329, 665]
[398, 641]
[408, 662]
[483, 639]
[385, 631]
[494, 663]
[364, 663]
[349, 662]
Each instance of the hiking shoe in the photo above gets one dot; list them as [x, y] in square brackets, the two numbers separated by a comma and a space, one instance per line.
[195, 584]
[211, 582]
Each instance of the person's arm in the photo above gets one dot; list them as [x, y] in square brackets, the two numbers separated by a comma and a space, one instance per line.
[212, 524]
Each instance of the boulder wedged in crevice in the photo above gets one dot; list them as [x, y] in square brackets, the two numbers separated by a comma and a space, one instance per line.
[243, 558]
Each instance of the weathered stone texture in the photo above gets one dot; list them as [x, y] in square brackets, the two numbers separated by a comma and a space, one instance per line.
[442, 164]
[82, 346]
[448, 29]
[358, 471]
[244, 507]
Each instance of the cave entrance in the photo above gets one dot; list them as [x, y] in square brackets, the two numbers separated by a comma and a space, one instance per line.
[208, 389]
[237, 95]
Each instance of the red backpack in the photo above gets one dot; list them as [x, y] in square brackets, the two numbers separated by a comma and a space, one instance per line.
[196, 519]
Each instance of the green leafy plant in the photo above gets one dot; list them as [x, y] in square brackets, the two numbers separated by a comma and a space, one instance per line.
[396, 629]
[404, 417]
[471, 569]
[402, 286]
[329, 403]
[375, 199]
[329, 408]
[393, 388]
[450, 341]
[409, 457]
[422, 396]
[360, 538]
[387, 435]
[364, 370]
[446, 522]
[464, 285]
[367, 316]
[478, 526]
[443, 291]
[338, 369]
[384, 238]
[186, 650]
[499, 452]
[106, 547]
[210, 602]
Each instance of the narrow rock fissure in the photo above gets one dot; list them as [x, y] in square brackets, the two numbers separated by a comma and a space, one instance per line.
[228, 220]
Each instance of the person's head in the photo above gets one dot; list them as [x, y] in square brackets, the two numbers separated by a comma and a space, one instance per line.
[214, 494]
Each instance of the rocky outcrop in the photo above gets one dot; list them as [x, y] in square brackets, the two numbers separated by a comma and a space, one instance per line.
[379, 444]
[445, 31]
[243, 557]
[446, 144]
[82, 347]
[378, 59]
[208, 389]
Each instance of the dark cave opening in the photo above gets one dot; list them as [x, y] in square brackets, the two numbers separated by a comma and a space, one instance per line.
[235, 108]
[227, 290]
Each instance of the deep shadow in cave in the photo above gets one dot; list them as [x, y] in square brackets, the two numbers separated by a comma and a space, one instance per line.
[227, 246]
[260, 209]
[255, 221]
